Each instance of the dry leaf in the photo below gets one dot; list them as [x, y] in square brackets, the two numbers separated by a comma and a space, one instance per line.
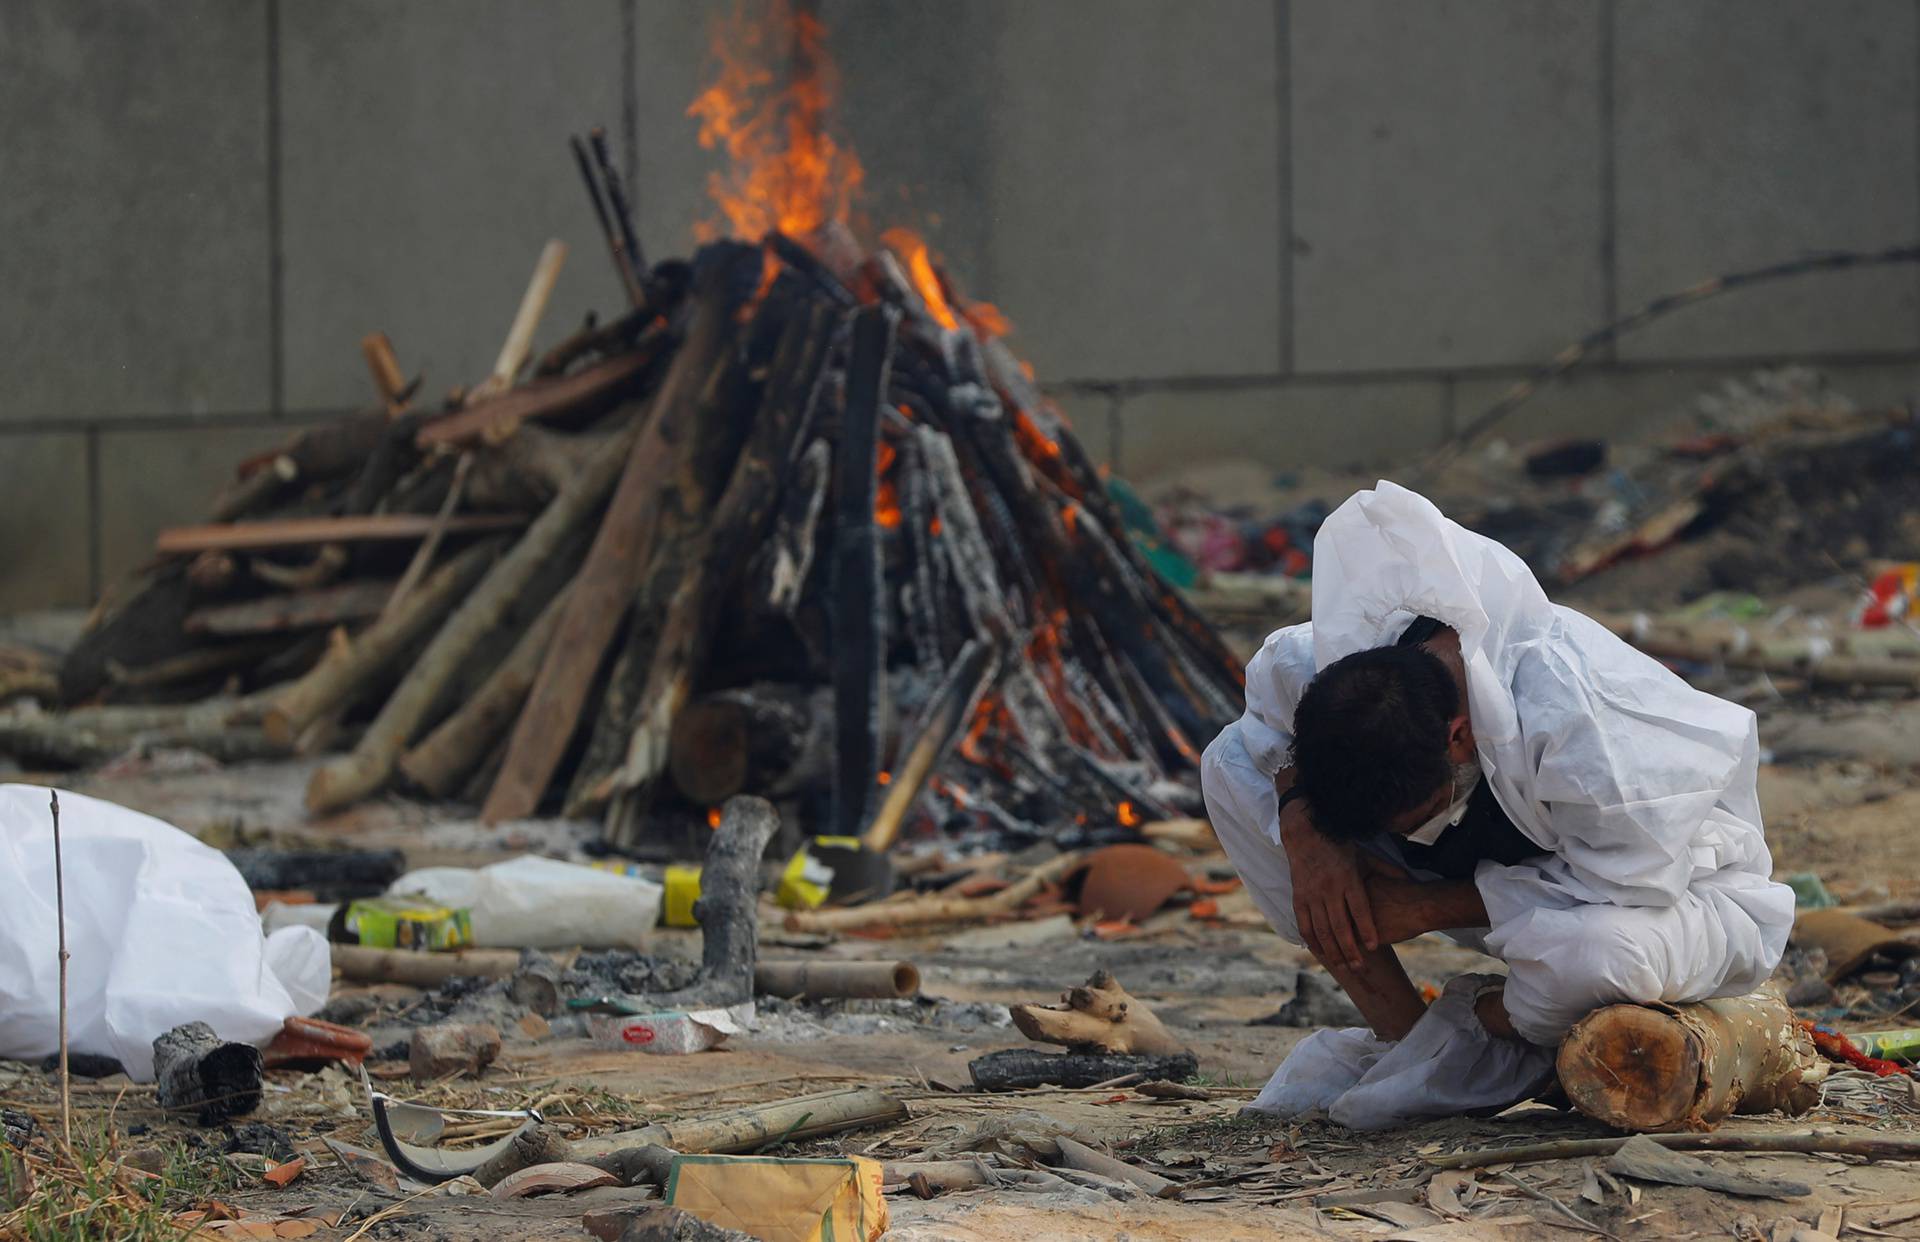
[1443, 1192]
[298, 1228]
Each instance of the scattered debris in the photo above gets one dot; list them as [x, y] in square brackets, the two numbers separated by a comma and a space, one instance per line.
[439, 1052]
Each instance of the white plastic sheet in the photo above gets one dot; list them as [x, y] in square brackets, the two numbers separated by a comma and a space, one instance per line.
[541, 903]
[161, 930]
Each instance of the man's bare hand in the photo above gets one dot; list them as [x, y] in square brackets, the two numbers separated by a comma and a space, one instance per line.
[1329, 891]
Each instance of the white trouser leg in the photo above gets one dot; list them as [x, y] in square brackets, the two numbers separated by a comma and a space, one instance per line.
[1244, 811]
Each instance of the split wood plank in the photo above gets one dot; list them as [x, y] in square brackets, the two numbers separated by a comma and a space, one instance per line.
[536, 399]
[279, 613]
[718, 551]
[606, 582]
[858, 589]
[298, 532]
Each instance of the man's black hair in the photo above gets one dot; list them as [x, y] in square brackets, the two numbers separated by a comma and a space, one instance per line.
[1370, 738]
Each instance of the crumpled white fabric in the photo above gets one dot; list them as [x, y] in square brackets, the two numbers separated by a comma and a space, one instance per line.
[161, 930]
[1448, 1065]
[1656, 884]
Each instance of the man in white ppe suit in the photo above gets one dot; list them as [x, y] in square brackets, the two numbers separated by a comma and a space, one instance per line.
[1442, 749]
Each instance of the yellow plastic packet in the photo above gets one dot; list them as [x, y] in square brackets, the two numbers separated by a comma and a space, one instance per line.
[805, 881]
[400, 923]
[783, 1200]
[683, 889]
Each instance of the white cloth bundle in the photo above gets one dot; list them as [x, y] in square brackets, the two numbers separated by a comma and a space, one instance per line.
[160, 928]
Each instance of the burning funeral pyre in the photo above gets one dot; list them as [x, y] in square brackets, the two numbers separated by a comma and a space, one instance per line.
[797, 523]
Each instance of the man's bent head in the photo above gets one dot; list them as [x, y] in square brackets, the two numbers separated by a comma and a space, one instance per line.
[1376, 738]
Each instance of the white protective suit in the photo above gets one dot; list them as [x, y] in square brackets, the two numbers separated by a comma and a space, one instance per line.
[161, 930]
[1639, 790]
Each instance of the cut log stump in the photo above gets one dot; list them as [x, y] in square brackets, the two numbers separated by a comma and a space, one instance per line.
[1651, 1068]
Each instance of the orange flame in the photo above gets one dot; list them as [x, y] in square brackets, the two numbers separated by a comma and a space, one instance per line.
[788, 173]
[885, 778]
[713, 817]
[926, 281]
[1129, 815]
[988, 320]
[886, 501]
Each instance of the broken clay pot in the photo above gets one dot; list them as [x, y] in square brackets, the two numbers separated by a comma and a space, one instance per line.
[1130, 882]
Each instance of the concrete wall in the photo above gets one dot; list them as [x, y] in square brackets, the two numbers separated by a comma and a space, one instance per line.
[1296, 231]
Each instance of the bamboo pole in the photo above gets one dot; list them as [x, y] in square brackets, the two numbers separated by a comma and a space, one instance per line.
[924, 911]
[1865, 1146]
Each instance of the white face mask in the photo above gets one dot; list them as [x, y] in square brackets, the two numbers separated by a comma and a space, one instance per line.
[1465, 777]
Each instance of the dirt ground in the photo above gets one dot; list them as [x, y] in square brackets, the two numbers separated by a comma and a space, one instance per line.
[1840, 801]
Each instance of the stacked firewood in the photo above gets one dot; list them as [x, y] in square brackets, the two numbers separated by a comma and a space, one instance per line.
[797, 524]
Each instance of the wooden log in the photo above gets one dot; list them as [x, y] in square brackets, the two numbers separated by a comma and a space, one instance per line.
[669, 585]
[275, 614]
[730, 1132]
[769, 739]
[858, 607]
[197, 665]
[1098, 1016]
[196, 1071]
[1670, 1067]
[783, 569]
[528, 468]
[933, 736]
[254, 491]
[349, 669]
[597, 385]
[926, 911]
[362, 964]
[1809, 658]
[384, 366]
[594, 337]
[1077, 1155]
[325, 566]
[836, 980]
[621, 549]
[354, 776]
[87, 737]
[533, 304]
[729, 907]
[623, 264]
[430, 546]
[296, 532]
[1019, 1069]
[702, 563]
[447, 755]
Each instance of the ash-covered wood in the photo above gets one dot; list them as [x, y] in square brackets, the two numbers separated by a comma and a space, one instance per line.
[198, 1072]
[772, 529]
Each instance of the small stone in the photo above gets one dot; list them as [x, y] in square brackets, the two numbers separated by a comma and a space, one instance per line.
[145, 1159]
[454, 1048]
[1812, 993]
